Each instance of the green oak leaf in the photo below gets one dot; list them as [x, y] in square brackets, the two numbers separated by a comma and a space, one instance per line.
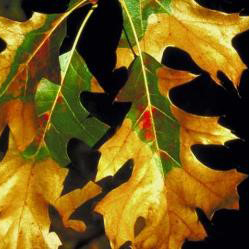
[61, 114]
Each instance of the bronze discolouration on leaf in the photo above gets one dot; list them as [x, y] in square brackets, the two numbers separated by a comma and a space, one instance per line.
[13, 33]
[31, 180]
[32, 53]
[20, 114]
[40, 102]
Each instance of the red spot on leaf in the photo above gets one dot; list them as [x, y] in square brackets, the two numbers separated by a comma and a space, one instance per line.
[147, 125]
[42, 124]
[43, 119]
[147, 120]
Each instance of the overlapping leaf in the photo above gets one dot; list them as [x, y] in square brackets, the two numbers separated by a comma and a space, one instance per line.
[27, 188]
[61, 116]
[31, 53]
[40, 101]
[205, 34]
[167, 182]
[41, 93]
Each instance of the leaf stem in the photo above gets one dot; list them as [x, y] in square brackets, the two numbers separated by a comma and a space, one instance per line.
[82, 26]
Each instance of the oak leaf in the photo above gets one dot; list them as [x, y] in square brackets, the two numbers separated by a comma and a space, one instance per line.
[27, 188]
[32, 53]
[168, 182]
[40, 102]
[205, 34]
[60, 114]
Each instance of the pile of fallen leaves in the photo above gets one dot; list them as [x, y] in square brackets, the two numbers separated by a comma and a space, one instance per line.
[40, 103]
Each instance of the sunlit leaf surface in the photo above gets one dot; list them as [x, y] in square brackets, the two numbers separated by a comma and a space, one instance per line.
[40, 102]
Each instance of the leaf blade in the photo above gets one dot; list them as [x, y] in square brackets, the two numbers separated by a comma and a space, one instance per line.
[165, 199]
[205, 34]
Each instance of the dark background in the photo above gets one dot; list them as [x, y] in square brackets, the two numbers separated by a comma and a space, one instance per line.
[202, 96]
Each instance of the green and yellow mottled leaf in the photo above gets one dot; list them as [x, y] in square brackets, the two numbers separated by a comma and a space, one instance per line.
[32, 53]
[40, 102]
[33, 62]
[139, 13]
[168, 182]
[61, 115]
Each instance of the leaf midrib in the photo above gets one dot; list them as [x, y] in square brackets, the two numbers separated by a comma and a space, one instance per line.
[59, 21]
[143, 72]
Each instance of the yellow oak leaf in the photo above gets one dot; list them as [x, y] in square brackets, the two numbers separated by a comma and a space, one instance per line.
[27, 187]
[164, 190]
[68, 203]
[19, 115]
[205, 34]
[14, 34]
[167, 204]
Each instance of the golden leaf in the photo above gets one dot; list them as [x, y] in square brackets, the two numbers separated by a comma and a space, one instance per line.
[27, 187]
[15, 34]
[205, 34]
[166, 201]
[68, 203]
